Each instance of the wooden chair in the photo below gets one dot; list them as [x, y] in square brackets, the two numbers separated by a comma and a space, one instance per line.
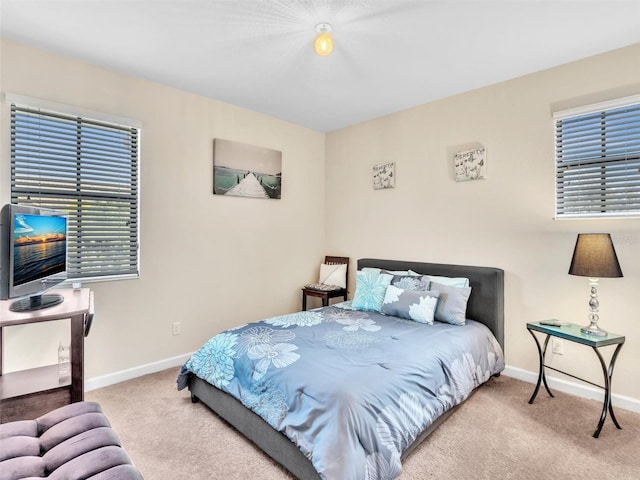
[326, 292]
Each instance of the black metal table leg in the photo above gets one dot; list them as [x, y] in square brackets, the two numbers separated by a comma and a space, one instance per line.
[607, 405]
[542, 378]
[612, 364]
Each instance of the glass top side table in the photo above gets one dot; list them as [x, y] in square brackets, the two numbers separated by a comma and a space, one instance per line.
[571, 332]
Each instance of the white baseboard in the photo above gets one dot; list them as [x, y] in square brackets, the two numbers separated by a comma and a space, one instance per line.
[584, 391]
[130, 373]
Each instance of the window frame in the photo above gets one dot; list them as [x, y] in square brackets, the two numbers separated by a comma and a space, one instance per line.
[605, 161]
[88, 116]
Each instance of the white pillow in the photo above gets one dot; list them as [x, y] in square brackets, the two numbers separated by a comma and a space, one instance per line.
[333, 275]
[390, 272]
[450, 281]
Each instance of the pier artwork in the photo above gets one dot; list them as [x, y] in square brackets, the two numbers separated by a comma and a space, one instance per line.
[246, 171]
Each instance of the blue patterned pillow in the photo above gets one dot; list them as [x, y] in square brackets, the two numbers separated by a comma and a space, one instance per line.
[370, 290]
[452, 307]
[411, 282]
[415, 305]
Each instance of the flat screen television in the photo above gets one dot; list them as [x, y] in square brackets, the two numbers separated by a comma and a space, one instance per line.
[33, 256]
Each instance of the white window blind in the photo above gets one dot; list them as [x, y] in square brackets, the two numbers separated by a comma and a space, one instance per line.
[598, 160]
[88, 168]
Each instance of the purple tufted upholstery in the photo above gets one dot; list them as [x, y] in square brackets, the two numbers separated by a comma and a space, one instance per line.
[74, 442]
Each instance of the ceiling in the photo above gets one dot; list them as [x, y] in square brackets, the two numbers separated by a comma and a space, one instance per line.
[388, 55]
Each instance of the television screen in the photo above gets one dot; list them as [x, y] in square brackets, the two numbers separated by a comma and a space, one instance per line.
[40, 247]
[33, 255]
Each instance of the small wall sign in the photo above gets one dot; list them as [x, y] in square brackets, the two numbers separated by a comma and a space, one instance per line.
[470, 164]
[384, 176]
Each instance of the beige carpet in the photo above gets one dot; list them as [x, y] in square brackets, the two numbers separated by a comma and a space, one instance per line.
[495, 435]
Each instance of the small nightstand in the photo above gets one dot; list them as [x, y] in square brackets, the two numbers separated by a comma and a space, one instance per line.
[571, 332]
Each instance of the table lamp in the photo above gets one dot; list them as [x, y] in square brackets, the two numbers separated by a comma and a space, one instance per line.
[594, 257]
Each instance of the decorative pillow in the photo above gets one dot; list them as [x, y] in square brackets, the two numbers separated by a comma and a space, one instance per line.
[452, 307]
[390, 272]
[451, 281]
[334, 274]
[411, 304]
[411, 282]
[370, 290]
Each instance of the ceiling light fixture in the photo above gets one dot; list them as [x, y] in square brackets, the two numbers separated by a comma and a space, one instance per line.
[323, 44]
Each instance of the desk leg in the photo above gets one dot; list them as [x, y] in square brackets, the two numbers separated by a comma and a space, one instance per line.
[542, 378]
[77, 355]
[304, 301]
[607, 406]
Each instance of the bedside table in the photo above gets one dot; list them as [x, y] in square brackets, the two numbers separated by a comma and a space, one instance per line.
[571, 332]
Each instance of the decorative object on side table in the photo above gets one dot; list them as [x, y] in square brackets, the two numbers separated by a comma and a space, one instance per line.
[594, 257]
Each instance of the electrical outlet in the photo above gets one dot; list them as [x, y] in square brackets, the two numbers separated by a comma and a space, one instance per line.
[176, 328]
[557, 347]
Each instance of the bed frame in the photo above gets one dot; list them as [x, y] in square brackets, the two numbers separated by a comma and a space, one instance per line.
[486, 305]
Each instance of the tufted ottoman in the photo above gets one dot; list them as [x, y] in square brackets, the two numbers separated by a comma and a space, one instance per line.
[73, 442]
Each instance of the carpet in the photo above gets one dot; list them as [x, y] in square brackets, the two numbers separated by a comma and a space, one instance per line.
[496, 434]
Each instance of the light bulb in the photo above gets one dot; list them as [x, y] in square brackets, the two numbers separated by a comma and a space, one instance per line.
[323, 44]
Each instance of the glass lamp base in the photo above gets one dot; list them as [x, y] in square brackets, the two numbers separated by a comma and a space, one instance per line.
[593, 330]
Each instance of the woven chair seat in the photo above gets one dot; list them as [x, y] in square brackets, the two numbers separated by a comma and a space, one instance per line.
[323, 287]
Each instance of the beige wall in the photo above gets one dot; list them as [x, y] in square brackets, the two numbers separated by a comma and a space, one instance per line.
[207, 261]
[247, 258]
[505, 220]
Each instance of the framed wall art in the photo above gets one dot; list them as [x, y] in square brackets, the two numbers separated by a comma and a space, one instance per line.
[244, 170]
[470, 164]
[384, 176]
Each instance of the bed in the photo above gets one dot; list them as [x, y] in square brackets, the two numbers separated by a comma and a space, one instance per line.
[383, 407]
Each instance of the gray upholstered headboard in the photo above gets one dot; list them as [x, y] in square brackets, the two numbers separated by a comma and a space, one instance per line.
[486, 303]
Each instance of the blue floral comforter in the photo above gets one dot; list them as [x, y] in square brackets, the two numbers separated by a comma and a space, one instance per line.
[351, 389]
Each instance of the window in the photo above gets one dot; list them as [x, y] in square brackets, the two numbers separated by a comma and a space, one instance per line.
[88, 168]
[598, 160]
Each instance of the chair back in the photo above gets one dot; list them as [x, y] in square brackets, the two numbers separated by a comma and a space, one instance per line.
[331, 260]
